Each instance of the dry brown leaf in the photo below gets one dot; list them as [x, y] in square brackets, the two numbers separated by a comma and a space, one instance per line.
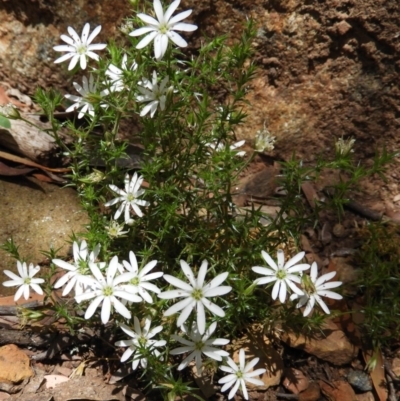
[337, 391]
[310, 193]
[13, 171]
[377, 373]
[27, 162]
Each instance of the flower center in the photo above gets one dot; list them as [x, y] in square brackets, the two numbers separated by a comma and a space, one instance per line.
[108, 291]
[239, 374]
[81, 49]
[199, 345]
[307, 285]
[281, 274]
[83, 267]
[27, 280]
[113, 231]
[163, 28]
[142, 341]
[135, 281]
[197, 294]
[130, 197]
[158, 94]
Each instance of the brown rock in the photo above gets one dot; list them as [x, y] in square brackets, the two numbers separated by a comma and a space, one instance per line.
[35, 397]
[86, 388]
[330, 344]
[14, 364]
[337, 391]
[35, 27]
[343, 27]
[295, 381]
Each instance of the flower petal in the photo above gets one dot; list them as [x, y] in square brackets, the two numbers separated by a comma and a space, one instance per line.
[179, 306]
[269, 260]
[93, 306]
[176, 282]
[295, 259]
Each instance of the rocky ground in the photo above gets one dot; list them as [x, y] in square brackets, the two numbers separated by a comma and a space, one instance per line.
[325, 70]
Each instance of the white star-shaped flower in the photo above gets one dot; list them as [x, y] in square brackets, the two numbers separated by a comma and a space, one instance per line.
[84, 102]
[163, 28]
[196, 295]
[128, 198]
[314, 288]
[239, 375]
[282, 273]
[107, 291]
[79, 269]
[153, 93]
[116, 75]
[199, 344]
[25, 281]
[139, 283]
[79, 48]
[141, 339]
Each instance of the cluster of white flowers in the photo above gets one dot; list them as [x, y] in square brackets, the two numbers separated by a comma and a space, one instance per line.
[115, 285]
[111, 285]
[289, 276]
[160, 30]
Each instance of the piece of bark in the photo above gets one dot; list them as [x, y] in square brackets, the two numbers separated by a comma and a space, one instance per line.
[25, 338]
[12, 309]
[29, 140]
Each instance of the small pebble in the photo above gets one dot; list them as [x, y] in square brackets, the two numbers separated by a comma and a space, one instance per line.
[339, 231]
[359, 380]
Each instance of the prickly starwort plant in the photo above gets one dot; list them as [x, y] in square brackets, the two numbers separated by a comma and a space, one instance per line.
[167, 257]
